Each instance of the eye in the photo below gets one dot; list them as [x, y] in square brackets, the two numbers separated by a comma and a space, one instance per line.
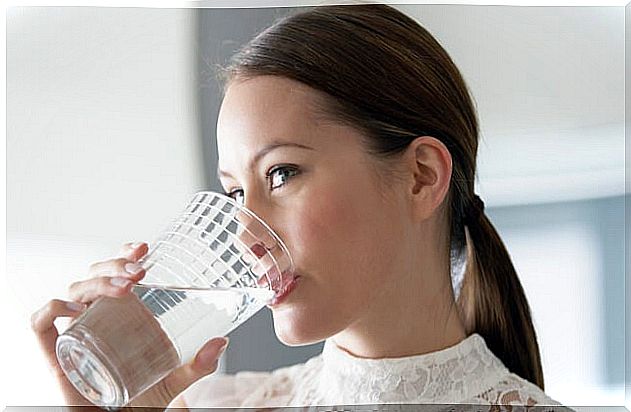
[277, 176]
[234, 196]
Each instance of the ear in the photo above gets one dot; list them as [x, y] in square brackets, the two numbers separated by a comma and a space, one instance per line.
[429, 167]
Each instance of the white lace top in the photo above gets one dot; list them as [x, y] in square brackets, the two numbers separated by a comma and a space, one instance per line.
[466, 373]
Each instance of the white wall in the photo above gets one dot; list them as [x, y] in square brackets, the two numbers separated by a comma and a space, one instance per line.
[102, 148]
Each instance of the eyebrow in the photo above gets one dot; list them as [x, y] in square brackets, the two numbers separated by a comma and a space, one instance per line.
[263, 152]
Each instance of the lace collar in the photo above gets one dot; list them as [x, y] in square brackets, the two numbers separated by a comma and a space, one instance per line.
[449, 375]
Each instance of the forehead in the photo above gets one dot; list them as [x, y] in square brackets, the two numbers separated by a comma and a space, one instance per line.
[266, 108]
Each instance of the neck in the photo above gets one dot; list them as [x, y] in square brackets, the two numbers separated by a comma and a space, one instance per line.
[417, 315]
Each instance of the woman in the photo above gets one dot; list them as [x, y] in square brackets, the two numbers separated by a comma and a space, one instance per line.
[352, 133]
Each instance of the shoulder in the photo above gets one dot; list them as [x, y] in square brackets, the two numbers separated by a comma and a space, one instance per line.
[512, 389]
[247, 387]
[283, 385]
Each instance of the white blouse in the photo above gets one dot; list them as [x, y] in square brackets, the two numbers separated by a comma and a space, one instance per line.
[466, 373]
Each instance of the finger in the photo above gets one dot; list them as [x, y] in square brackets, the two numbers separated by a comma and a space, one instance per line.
[42, 320]
[134, 251]
[117, 267]
[128, 247]
[42, 323]
[86, 291]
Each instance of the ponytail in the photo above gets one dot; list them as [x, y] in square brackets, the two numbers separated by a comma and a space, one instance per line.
[493, 304]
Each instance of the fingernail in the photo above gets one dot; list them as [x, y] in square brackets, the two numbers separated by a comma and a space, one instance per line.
[208, 355]
[120, 282]
[223, 348]
[133, 268]
[75, 306]
[135, 245]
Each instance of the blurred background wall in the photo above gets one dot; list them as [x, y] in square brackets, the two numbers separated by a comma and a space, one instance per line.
[103, 147]
[110, 127]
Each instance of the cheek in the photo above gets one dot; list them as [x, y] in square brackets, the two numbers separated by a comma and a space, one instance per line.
[339, 238]
[343, 243]
[322, 227]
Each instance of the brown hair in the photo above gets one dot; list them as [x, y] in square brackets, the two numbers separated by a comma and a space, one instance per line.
[387, 76]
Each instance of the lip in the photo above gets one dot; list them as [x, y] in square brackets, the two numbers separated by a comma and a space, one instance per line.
[287, 289]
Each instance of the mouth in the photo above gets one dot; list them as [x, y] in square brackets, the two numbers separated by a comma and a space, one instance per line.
[289, 285]
[279, 283]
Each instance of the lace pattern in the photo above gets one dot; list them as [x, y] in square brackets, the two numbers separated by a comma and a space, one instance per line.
[457, 372]
[513, 390]
[466, 373]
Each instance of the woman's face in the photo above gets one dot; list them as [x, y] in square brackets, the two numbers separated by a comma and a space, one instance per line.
[322, 197]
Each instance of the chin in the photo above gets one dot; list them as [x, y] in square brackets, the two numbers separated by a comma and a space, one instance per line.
[293, 330]
[298, 326]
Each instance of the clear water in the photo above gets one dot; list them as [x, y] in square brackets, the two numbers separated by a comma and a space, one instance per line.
[190, 316]
[122, 346]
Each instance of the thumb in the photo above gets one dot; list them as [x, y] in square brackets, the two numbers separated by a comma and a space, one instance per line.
[207, 357]
[204, 363]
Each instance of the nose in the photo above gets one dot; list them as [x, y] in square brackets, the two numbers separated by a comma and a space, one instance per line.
[260, 248]
[252, 229]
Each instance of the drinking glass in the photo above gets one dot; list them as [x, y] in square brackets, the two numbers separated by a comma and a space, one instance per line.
[213, 267]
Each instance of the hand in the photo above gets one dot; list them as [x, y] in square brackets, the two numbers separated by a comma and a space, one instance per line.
[115, 278]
